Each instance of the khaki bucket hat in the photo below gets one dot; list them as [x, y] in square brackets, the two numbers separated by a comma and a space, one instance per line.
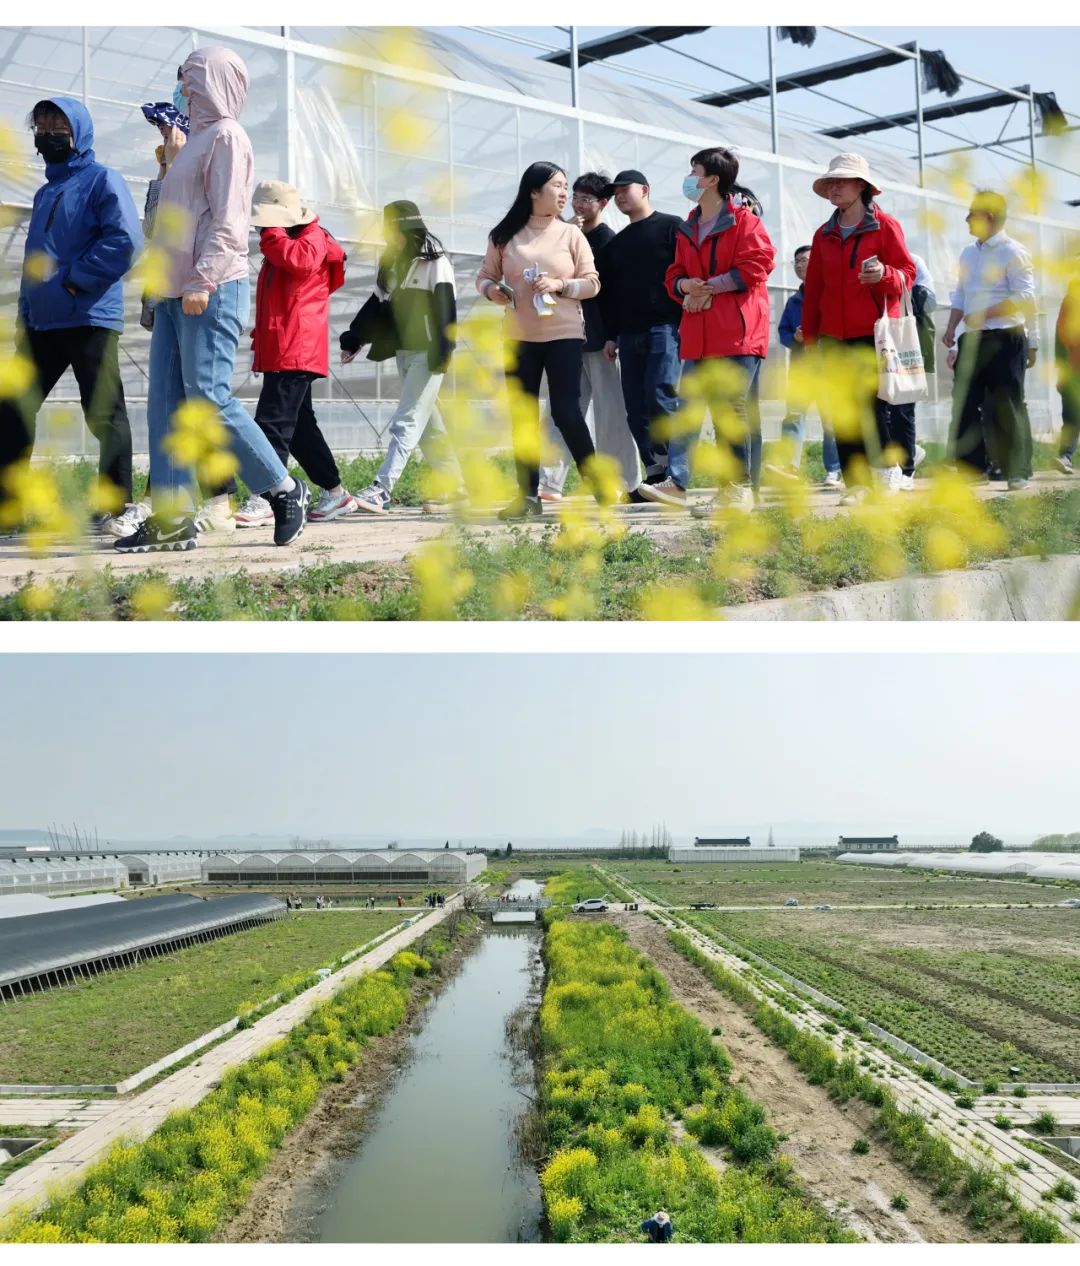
[276, 205]
[846, 167]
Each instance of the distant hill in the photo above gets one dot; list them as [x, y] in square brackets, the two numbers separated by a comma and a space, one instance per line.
[24, 837]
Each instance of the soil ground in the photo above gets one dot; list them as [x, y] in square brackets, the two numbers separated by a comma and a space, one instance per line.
[820, 1132]
[285, 1201]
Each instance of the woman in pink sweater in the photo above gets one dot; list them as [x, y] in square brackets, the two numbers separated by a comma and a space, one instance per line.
[547, 264]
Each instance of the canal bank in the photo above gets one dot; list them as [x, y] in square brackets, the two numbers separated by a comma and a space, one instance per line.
[438, 1102]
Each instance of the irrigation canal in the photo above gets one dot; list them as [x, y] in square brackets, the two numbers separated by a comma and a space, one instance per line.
[440, 1164]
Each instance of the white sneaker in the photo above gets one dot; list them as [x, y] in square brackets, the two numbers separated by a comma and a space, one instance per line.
[907, 483]
[833, 479]
[853, 496]
[134, 515]
[920, 455]
[888, 478]
[331, 504]
[215, 516]
[737, 497]
[255, 512]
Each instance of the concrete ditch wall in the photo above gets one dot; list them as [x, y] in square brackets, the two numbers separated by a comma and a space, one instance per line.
[1012, 589]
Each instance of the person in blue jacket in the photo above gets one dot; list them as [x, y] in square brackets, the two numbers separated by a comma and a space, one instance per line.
[82, 238]
[659, 1228]
[793, 427]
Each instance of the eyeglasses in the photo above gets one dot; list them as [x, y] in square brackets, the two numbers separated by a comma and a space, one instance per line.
[586, 198]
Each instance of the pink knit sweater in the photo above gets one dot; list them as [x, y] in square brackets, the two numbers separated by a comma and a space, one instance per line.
[558, 249]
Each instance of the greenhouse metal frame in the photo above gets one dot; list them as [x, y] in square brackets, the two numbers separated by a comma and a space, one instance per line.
[330, 110]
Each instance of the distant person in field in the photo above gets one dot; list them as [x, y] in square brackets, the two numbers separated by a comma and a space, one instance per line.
[659, 1228]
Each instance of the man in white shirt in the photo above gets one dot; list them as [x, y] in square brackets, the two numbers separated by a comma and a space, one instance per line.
[995, 299]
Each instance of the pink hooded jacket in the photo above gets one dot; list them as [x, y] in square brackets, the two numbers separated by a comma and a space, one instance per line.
[205, 203]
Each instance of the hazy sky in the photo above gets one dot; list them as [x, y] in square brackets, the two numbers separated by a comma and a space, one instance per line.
[147, 746]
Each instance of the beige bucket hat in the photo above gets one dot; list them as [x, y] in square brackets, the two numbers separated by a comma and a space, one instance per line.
[276, 205]
[846, 167]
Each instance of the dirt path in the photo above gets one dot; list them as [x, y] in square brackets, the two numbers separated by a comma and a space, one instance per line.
[373, 539]
[283, 1203]
[820, 1132]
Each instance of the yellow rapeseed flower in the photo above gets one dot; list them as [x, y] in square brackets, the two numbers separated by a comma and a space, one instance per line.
[674, 602]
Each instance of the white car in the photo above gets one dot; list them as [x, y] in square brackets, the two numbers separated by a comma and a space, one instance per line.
[1070, 903]
[592, 904]
[791, 902]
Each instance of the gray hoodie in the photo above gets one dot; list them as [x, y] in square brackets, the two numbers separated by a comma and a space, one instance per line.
[205, 202]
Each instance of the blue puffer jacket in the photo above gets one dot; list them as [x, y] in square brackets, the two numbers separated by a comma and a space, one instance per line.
[85, 220]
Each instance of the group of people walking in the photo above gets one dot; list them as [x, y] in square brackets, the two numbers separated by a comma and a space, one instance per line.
[637, 331]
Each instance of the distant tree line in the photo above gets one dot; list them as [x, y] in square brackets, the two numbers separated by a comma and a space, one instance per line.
[1069, 843]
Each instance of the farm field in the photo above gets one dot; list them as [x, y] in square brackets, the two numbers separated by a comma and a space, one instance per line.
[100, 1031]
[771, 883]
[984, 992]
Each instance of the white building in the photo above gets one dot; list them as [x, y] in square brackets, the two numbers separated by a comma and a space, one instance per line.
[738, 854]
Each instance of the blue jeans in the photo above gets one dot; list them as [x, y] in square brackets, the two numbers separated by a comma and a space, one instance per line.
[742, 449]
[794, 427]
[649, 362]
[192, 358]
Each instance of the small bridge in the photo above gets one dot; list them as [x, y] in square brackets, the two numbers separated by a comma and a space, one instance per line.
[513, 909]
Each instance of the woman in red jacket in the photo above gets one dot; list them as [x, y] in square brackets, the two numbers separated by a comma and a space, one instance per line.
[302, 267]
[723, 257]
[859, 265]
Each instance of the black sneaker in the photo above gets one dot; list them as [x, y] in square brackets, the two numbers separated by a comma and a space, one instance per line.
[159, 534]
[635, 497]
[290, 511]
[522, 508]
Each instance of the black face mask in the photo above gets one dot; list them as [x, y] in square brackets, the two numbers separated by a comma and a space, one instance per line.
[54, 147]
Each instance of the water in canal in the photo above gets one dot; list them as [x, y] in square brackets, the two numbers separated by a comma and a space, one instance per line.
[440, 1163]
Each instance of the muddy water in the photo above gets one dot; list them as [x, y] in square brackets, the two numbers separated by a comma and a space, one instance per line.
[440, 1163]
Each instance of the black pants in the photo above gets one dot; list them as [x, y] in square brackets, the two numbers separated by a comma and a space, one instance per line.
[1070, 414]
[853, 449]
[988, 402]
[92, 354]
[287, 419]
[560, 360]
[902, 433]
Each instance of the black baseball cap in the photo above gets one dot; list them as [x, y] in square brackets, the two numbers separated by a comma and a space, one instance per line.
[628, 177]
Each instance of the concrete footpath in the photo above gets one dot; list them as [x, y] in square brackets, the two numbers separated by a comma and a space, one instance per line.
[139, 1116]
[381, 539]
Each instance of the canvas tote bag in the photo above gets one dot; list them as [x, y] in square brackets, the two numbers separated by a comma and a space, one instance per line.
[901, 372]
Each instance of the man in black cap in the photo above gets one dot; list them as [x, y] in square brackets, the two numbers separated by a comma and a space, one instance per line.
[641, 322]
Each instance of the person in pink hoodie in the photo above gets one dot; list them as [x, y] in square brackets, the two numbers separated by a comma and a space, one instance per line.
[202, 230]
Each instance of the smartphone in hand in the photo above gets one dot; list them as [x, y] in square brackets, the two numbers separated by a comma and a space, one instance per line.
[868, 263]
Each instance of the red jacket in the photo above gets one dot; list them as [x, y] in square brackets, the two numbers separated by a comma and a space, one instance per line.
[835, 302]
[737, 321]
[292, 300]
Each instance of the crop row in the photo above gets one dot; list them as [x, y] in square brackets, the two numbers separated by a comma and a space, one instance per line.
[981, 1191]
[621, 1059]
[1052, 983]
[198, 1166]
[948, 1023]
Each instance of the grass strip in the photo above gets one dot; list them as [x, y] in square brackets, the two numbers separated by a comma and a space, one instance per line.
[621, 1059]
[979, 1190]
[102, 1030]
[197, 1167]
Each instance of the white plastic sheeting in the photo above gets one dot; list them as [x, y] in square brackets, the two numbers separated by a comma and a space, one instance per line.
[34, 903]
[60, 874]
[355, 130]
[343, 866]
[1003, 864]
